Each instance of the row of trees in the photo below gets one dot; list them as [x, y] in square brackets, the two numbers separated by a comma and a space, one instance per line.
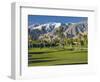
[58, 39]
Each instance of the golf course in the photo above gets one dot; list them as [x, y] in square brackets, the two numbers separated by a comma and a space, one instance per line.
[56, 56]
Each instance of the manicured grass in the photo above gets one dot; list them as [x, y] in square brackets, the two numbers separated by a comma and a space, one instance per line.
[56, 56]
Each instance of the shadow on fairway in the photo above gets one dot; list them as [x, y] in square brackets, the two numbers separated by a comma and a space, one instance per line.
[45, 52]
[72, 63]
[29, 58]
[39, 61]
[80, 51]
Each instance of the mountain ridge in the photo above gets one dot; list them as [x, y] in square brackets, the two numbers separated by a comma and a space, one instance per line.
[70, 30]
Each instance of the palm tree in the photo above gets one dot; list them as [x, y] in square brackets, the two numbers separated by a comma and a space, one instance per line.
[61, 35]
[41, 39]
[51, 39]
[85, 39]
[29, 41]
[46, 39]
[56, 40]
[81, 39]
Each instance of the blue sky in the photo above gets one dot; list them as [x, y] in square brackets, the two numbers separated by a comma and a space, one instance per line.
[41, 19]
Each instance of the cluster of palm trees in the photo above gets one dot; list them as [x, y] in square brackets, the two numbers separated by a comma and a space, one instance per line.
[48, 39]
[59, 39]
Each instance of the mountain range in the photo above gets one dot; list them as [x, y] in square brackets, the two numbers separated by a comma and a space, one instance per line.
[70, 30]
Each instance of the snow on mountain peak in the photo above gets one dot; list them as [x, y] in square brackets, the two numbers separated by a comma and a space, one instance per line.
[47, 26]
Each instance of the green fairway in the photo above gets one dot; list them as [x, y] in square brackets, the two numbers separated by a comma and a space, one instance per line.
[56, 56]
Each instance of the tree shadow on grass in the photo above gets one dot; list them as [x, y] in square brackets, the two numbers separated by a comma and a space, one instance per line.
[73, 63]
[30, 58]
[40, 61]
[80, 51]
[44, 52]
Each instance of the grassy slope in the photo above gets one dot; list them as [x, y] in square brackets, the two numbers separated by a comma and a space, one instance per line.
[53, 56]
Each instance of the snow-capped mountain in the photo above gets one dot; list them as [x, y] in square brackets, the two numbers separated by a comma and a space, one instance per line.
[48, 26]
[69, 29]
